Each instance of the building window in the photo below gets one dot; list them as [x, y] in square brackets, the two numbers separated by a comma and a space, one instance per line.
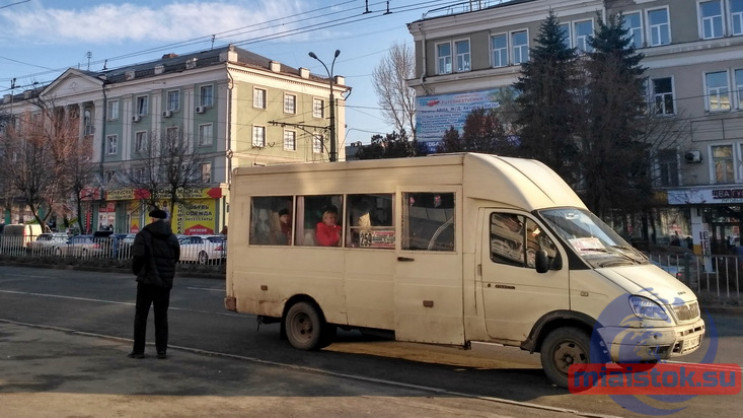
[110, 174]
[633, 25]
[140, 141]
[663, 96]
[113, 110]
[710, 16]
[112, 144]
[206, 173]
[658, 27]
[205, 134]
[139, 174]
[443, 58]
[564, 29]
[259, 98]
[290, 141]
[520, 47]
[583, 31]
[736, 16]
[718, 91]
[290, 103]
[317, 141]
[722, 160]
[174, 100]
[499, 44]
[318, 108]
[259, 136]
[739, 87]
[462, 49]
[142, 105]
[172, 136]
[668, 168]
[206, 96]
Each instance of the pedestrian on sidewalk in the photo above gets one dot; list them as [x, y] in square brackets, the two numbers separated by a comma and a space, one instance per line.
[156, 251]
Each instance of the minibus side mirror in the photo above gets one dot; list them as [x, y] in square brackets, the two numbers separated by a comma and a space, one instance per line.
[543, 262]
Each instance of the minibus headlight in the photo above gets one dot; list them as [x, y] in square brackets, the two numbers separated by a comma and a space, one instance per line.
[647, 309]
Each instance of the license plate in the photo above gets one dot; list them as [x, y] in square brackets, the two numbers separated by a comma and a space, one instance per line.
[692, 343]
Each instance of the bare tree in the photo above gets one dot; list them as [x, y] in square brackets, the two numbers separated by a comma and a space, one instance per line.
[167, 168]
[36, 157]
[396, 99]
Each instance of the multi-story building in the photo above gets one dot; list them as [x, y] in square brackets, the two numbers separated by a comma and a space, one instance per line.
[230, 106]
[466, 55]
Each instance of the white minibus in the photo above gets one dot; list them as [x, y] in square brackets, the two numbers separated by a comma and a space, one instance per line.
[448, 249]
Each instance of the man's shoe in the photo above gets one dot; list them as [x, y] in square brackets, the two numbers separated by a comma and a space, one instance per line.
[135, 355]
[161, 355]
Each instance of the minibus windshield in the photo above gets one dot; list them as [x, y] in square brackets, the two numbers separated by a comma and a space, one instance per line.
[591, 238]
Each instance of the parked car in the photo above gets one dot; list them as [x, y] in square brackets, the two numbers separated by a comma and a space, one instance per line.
[47, 242]
[81, 246]
[202, 248]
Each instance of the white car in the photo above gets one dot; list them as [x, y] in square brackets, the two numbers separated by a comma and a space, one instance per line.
[202, 249]
[47, 242]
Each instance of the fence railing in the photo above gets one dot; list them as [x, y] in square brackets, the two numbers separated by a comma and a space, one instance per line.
[717, 276]
[211, 253]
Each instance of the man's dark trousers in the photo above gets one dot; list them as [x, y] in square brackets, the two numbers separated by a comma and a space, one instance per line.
[147, 295]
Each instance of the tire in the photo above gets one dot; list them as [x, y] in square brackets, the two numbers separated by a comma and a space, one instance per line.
[562, 348]
[305, 328]
[203, 258]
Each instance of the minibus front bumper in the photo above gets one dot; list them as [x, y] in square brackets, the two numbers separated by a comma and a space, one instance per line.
[630, 345]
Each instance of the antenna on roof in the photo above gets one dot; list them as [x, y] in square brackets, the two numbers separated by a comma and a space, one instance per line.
[105, 63]
[89, 55]
[388, 8]
[367, 7]
[213, 37]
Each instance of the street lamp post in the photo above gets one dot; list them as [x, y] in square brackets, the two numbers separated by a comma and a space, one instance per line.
[333, 155]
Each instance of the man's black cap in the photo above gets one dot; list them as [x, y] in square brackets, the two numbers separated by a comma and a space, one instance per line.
[158, 214]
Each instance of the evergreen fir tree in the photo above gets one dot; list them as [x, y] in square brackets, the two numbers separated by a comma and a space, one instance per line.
[546, 104]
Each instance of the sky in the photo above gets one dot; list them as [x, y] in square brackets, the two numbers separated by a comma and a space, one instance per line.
[40, 39]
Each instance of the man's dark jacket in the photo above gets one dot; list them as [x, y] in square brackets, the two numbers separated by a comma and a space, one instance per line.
[155, 251]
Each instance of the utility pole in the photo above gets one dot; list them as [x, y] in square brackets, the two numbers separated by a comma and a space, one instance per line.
[333, 154]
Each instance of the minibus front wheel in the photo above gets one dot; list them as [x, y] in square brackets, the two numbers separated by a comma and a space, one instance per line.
[562, 348]
[305, 327]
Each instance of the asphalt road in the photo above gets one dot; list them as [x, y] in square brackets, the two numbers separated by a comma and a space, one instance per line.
[64, 335]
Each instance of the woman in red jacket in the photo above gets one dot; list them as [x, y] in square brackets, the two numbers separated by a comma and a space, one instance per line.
[327, 232]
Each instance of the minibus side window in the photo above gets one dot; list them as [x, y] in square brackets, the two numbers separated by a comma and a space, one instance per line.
[310, 213]
[369, 222]
[515, 240]
[428, 221]
[266, 226]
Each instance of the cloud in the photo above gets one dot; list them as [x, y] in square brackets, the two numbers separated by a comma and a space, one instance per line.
[112, 23]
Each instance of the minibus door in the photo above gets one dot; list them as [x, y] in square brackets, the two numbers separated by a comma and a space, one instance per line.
[514, 294]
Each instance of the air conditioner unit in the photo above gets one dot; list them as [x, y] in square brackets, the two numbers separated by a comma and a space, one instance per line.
[136, 118]
[167, 113]
[693, 156]
[200, 109]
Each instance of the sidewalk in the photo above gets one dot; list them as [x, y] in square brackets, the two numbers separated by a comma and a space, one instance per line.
[56, 373]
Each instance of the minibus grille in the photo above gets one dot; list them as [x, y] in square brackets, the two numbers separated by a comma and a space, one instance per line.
[686, 312]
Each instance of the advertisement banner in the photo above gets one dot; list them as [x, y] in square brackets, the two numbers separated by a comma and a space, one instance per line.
[199, 216]
[435, 114]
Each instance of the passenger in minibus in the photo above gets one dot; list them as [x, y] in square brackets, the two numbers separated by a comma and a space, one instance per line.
[327, 232]
[285, 220]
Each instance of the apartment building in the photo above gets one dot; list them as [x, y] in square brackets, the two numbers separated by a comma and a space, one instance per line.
[469, 55]
[230, 106]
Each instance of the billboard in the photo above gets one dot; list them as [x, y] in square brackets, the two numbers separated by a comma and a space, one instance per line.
[435, 114]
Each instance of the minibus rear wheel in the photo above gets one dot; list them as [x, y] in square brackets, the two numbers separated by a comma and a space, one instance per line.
[562, 348]
[304, 327]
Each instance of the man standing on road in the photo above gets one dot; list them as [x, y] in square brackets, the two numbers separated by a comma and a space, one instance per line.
[156, 251]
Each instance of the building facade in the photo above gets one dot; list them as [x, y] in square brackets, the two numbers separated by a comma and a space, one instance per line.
[230, 107]
[469, 55]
